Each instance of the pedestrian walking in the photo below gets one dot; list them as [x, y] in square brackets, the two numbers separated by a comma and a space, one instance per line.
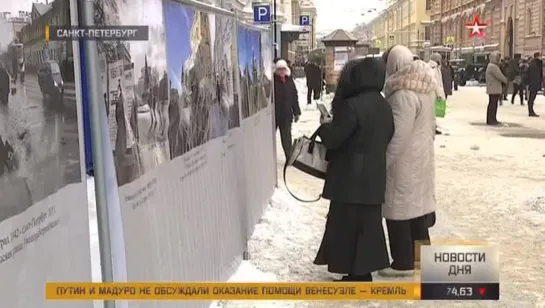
[535, 81]
[446, 78]
[313, 74]
[4, 85]
[4, 157]
[504, 87]
[409, 206]
[525, 78]
[518, 83]
[495, 80]
[435, 63]
[286, 102]
[356, 137]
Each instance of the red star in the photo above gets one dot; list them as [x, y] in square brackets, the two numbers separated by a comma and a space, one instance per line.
[477, 27]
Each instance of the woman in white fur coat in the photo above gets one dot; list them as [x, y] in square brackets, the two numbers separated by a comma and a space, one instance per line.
[409, 206]
[435, 63]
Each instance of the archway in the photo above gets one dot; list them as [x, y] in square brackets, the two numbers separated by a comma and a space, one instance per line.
[509, 45]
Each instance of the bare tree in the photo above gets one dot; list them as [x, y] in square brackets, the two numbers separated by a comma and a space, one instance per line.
[107, 14]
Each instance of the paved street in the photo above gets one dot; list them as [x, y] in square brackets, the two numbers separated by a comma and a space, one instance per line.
[46, 143]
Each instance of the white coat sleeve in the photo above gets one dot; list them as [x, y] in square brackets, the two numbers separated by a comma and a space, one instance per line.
[440, 90]
[405, 110]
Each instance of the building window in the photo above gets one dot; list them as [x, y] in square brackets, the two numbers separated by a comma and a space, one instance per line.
[427, 33]
[428, 5]
[529, 22]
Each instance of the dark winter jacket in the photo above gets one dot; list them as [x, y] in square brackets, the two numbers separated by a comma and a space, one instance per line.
[4, 83]
[524, 73]
[358, 136]
[313, 73]
[512, 69]
[535, 74]
[446, 74]
[286, 101]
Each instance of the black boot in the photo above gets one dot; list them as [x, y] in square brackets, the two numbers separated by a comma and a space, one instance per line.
[355, 278]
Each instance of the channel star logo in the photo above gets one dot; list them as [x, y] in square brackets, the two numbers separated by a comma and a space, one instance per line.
[477, 27]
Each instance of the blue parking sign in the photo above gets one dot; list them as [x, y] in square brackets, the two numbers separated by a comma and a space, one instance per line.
[262, 14]
[304, 20]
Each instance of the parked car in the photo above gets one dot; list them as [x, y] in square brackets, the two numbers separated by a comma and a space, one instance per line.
[474, 72]
[50, 82]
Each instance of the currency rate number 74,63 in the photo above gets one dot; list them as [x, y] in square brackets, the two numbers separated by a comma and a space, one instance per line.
[459, 291]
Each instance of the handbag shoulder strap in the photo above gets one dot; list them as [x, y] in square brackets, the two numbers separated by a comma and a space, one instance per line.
[292, 194]
[286, 165]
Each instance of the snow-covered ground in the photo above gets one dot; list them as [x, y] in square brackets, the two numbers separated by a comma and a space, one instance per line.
[490, 187]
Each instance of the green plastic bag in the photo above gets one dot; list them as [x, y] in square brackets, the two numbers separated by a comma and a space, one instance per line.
[440, 107]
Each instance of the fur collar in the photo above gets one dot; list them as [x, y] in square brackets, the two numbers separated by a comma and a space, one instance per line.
[288, 73]
[417, 76]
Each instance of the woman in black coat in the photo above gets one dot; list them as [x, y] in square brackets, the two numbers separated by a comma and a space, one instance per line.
[356, 138]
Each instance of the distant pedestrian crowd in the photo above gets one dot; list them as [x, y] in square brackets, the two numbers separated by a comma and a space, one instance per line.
[524, 76]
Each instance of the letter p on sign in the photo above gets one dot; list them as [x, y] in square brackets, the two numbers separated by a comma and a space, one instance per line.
[262, 14]
[304, 20]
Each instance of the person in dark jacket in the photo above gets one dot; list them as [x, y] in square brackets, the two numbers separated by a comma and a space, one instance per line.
[535, 81]
[447, 77]
[503, 67]
[356, 138]
[286, 103]
[313, 73]
[518, 83]
[4, 85]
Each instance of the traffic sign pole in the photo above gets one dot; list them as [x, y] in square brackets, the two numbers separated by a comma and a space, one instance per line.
[275, 30]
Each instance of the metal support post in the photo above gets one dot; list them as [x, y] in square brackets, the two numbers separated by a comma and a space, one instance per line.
[275, 30]
[97, 112]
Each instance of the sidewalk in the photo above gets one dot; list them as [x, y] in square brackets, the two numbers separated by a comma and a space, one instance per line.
[490, 187]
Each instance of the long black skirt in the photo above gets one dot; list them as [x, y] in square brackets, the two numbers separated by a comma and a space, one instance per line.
[353, 241]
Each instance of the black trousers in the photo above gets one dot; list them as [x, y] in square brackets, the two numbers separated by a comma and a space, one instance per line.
[403, 235]
[285, 136]
[313, 93]
[531, 99]
[492, 109]
[518, 89]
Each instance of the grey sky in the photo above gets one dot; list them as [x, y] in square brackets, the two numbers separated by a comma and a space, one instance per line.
[14, 6]
[345, 14]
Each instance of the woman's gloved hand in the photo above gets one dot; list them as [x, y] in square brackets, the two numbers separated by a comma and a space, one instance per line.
[325, 120]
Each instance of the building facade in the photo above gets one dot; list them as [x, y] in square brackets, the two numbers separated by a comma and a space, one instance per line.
[512, 27]
[11, 26]
[306, 41]
[403, 22]
[33, 34]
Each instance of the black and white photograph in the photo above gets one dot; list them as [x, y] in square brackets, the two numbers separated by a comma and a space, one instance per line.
[39, 141]
[136, 92]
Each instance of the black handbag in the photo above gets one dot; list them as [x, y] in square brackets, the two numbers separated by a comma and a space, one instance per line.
[309, 156]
